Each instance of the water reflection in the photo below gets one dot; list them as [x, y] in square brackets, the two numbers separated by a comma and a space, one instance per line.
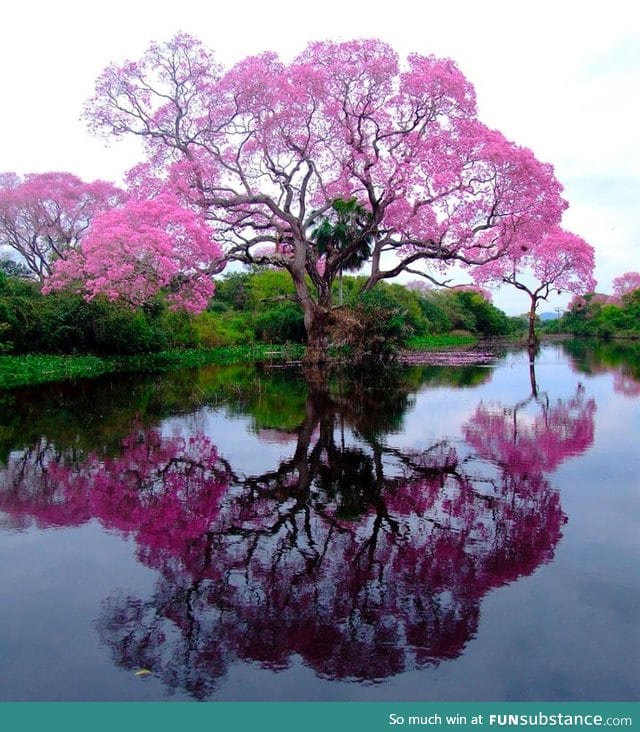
[535, 435]
[362, 558]
[622, 358]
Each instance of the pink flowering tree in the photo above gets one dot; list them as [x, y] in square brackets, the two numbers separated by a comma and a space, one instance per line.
[482, 291]
[44, 217]
[265, 149]
[132, 252]
[626, 283]
[556, 262]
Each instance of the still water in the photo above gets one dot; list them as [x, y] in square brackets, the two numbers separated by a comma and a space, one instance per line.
[434, 533]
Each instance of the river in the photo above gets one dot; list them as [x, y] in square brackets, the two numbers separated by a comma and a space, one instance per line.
[434, 533]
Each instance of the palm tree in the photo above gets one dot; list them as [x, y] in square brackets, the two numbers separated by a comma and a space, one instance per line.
[345, 236]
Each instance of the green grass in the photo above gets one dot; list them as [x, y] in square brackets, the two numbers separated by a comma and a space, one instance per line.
[430, 342]
[39, 369]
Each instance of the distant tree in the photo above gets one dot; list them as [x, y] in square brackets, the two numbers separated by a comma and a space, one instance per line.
[558, 261]
[265, 149]
[15, 269]
[44, 216]
[626, 283]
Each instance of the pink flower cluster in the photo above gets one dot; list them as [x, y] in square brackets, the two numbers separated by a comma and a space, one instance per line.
[133, 251]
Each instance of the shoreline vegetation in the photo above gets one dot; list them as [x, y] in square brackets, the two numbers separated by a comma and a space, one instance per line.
[31, 369]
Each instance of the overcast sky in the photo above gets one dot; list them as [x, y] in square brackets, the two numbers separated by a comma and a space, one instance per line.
[561, 77]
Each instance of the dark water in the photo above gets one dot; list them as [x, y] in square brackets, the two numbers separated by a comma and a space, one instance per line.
[435, 533]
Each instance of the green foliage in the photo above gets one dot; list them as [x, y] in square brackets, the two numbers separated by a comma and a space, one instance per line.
[257, 306]
[64, 323]
[480, 315]
[440, 341]
[280, 325]
[376, 327]
[217, 329]
[346, 227]
[40, 368]
[249, 307]
[595, 316]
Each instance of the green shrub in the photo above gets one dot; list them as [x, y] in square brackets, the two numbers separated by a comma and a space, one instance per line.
[374, 329]
[595, 317]
[229, 329]
[281, 324]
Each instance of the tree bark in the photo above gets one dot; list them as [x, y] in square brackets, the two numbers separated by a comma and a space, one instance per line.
[317, 320]
[532, 338]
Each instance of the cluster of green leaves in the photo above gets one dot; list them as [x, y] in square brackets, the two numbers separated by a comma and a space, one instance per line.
[436, 312]
[259, 306]
[595, 317]
[249, 307]
[65, 323]
[252, 306]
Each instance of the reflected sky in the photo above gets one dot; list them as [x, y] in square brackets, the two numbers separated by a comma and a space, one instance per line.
[244, 535]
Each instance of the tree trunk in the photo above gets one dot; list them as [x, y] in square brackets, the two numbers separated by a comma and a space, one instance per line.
[316, 311]
[532, 339]
[316, 321]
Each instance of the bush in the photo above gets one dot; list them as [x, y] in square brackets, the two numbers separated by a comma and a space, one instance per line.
[64, 323]
[213, 329]
[283, 324]
[594, 316]
[374, 329]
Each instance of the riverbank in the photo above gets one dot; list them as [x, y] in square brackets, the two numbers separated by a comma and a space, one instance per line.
[31, 369]
[39, 369]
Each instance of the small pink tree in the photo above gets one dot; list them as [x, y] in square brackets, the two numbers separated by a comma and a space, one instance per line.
[556, 262]
[132, 252]
[265, 149]
[626, 283]
[44, 216]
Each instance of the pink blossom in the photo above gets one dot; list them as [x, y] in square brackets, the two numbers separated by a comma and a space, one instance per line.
[134, 251]
[540, 265]
[626, 283]
[265, 147]
[45, 216]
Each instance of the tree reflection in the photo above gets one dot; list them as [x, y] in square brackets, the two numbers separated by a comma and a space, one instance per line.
[358, 557]
[159, 488]
[535, 435]
[622, 358]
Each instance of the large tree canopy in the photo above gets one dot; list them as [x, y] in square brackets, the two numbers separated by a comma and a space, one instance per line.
[44, 216]
[265, 149]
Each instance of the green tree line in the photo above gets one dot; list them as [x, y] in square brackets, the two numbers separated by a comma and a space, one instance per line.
[249, 307]
[596, 316]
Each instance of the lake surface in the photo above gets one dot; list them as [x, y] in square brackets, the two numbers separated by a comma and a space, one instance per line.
[435, 533]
